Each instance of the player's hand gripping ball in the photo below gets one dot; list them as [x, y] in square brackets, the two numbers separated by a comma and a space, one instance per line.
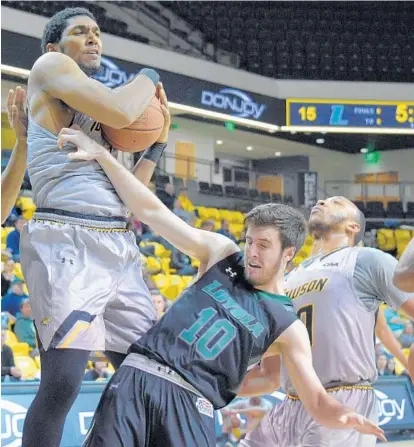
[146, 130]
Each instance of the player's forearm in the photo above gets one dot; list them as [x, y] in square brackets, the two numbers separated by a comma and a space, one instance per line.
[137, 197]
[327, 410]
[143, 171]
[145, 167]
[258, 382]
[12, 178]
[133, 98]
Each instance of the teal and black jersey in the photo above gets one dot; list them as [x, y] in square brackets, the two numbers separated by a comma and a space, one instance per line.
[217, 330]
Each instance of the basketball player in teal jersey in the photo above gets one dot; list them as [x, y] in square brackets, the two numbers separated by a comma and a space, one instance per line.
[195, 358]
[82, 266]
[337, 294]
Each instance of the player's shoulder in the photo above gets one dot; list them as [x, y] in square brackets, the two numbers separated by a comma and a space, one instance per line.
[369, 256]
[51, 62]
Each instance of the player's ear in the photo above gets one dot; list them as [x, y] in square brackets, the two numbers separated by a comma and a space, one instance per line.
[353, 228]
[289, 254]
[53, 47]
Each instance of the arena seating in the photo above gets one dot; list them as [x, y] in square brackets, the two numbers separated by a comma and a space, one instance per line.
[364, 41]
[361, 41]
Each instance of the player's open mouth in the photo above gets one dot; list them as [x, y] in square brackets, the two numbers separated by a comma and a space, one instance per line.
[253, 265]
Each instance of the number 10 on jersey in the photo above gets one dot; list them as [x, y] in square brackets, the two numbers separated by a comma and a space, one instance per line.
[211, 342]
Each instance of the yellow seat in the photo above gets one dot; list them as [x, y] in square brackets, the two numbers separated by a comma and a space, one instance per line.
[165, 263]
[186, 203]
[160, 280]
[18, 270]
[217, 225]
[11, 338]
[195, 262]
[20, 349]
[176, 280]
[402, 235]
[225, 214]
[172, 291]
[213, 213]
[198, 223]
[153, 265]
[202, 213]
[26, 365]
[5, 232]
[386, 239]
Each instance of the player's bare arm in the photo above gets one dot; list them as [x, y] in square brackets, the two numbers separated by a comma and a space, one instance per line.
[144, 169]
[205, 246]
[294, 346]
[262, 379]
[13, 176]
[388, 339]
[60, 78]
[404, 273]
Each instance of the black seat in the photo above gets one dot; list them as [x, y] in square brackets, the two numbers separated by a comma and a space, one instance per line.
[204, 187]
[410, 210]
[395, 210]
[375, 209]
[253, 194]
[229, 190]
[276, 197]
[216, 189]
[360, 205]
[241, 191]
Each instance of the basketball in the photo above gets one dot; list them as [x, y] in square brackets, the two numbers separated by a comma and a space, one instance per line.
[139, 135]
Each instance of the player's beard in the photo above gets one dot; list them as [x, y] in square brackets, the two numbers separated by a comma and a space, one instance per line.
[321, 227]
[90, 71]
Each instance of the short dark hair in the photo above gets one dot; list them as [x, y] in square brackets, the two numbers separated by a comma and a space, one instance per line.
[290, 222]
[55, 26]
[360, 219]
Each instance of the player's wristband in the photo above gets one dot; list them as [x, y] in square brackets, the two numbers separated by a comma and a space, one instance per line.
[152, 74]
[154, 153]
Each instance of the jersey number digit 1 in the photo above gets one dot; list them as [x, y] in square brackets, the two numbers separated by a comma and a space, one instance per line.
[305, 313]
[214, 340]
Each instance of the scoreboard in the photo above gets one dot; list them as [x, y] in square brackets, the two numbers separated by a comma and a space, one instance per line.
[308, 113]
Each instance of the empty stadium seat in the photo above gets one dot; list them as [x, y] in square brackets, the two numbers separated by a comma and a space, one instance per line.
[204, 187]
[216, 189]
[229, 191]
[395, 210]
[360, 205]
[410, 210]
[311, 42]
[20, 349]
[254, 194]
[375, 209]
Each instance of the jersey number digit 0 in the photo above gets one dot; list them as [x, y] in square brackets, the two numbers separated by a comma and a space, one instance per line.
[305, 313]
[220, 334]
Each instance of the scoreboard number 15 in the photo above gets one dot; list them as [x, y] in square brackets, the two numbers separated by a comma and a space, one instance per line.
[307, 113]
